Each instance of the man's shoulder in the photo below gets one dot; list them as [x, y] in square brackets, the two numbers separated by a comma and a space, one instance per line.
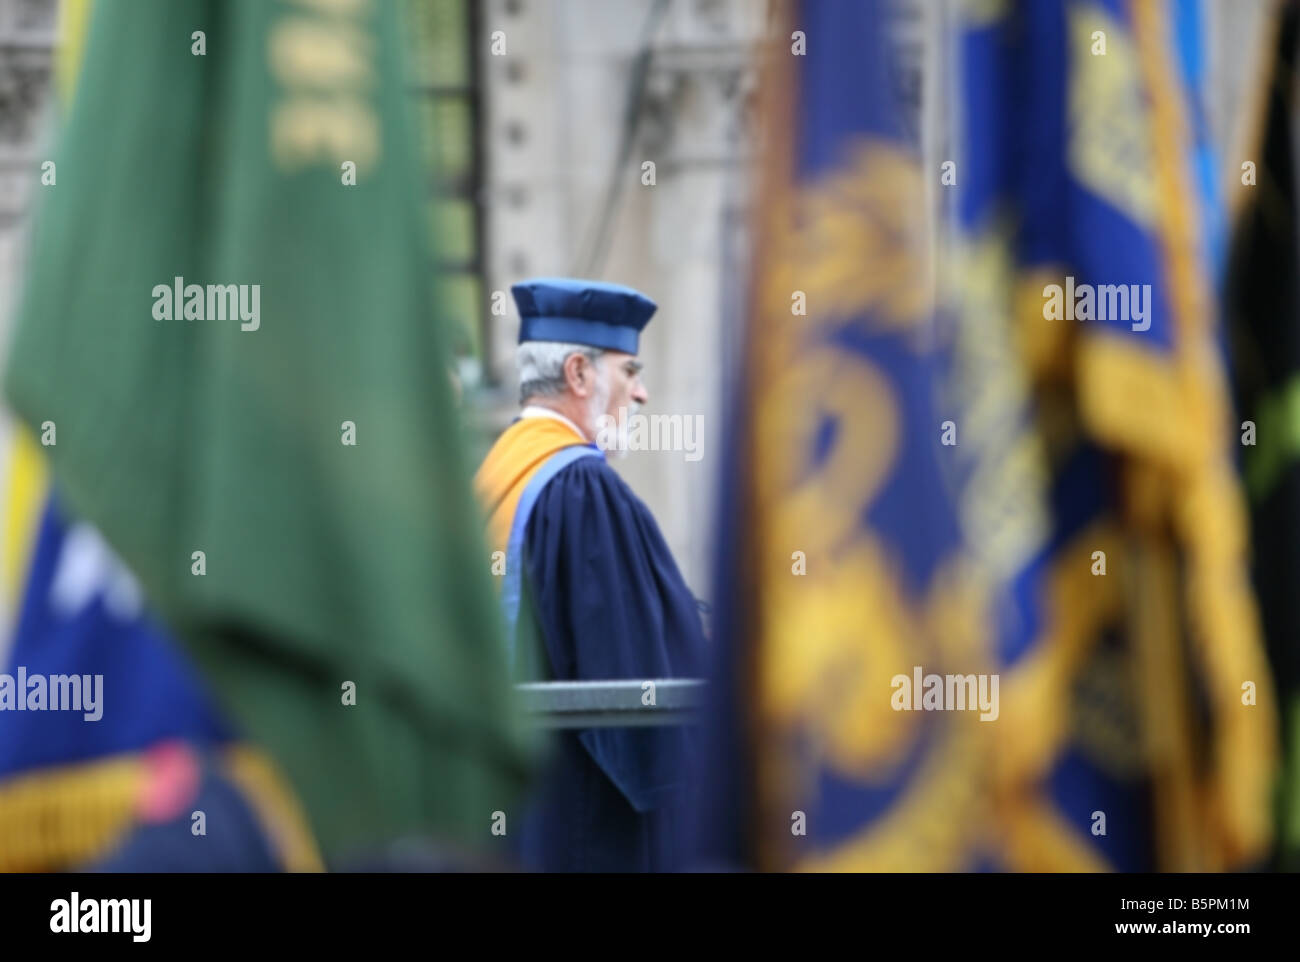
[592, 483]
[594, 470]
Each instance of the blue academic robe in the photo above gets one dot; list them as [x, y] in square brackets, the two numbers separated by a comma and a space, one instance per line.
[608, 602]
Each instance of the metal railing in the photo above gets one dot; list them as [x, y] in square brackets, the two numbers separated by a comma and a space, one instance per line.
[613, 704]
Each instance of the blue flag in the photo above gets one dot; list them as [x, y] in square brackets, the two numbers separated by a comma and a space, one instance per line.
[1137, 704]
[984, 600]
[846, 594]
[108, 737]
[83, 615]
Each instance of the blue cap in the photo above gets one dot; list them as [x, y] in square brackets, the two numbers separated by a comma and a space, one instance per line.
[594, 313]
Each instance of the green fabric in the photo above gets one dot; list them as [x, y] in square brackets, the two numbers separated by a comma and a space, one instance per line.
[1289, 791]
[325, 563]
[1277, 440]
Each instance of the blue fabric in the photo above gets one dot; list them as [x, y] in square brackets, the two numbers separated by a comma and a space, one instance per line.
[594, 313]
[575, 330]
[1022, 171]
[510, 590]
[611, 604]
[150, 692]
[233, 841]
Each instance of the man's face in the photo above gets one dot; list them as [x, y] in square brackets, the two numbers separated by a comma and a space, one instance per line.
[617, 387]
[621, 376]
[603, 387]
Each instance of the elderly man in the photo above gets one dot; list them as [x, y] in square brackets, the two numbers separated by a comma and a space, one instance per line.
[590, 590]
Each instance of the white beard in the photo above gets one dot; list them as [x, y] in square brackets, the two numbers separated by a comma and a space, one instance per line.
[618, 445]
[624, 424]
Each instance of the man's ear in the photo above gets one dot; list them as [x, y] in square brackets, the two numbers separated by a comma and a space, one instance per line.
[578, 374]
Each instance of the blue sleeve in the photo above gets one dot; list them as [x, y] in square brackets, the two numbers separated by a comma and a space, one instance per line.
[612, 604]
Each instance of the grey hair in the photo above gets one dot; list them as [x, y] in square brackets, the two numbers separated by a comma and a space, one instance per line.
[541, 366]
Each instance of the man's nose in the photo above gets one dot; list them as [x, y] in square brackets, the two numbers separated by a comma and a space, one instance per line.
[639, 393]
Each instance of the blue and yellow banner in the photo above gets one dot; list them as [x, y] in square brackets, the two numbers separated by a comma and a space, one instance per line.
[984, 598]
[1139, 708]
[847, 580]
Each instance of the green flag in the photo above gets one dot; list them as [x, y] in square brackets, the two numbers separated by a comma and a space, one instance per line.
[227, 322]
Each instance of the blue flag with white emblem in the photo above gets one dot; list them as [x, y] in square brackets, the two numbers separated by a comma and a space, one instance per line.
[90, 676]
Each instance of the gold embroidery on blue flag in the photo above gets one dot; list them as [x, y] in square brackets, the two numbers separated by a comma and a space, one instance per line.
[1002, 505]
[1174, 530]
[1110, 134]
[832, 639]
[852, 248]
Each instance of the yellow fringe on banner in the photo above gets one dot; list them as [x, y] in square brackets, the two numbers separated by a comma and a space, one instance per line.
[58, 818]
[276, 807]
[61, 818]
[1206, 500]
